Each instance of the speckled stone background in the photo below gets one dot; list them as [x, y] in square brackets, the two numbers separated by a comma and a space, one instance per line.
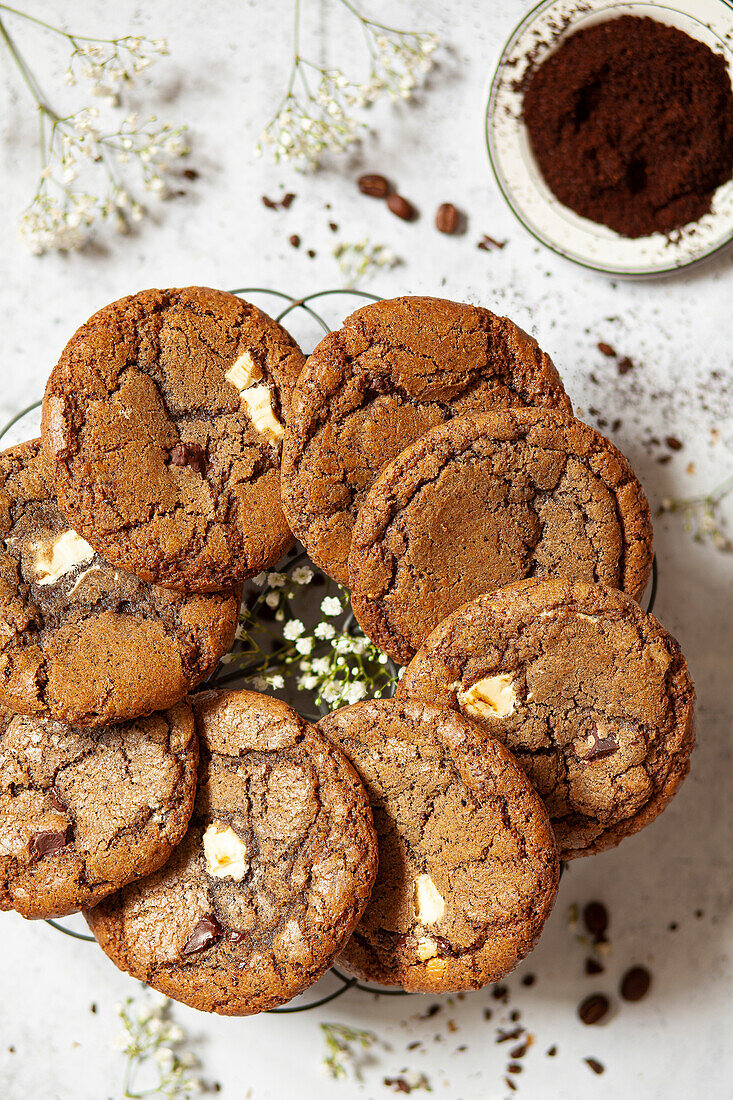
[224, 76]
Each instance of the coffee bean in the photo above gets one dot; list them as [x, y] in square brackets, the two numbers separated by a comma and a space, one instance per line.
[595, 918]
[374, 185]
[635, 983]
[446, 218]
[593, 1008]
[595, 1065]
[401, 207]
[673, 443]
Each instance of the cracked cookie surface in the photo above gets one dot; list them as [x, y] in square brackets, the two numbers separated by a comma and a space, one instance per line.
[270, 879]
[83, 812]
[81, 641]
[468, 866]
[162, 425]
[487, 500]
[588, 691]
[394, 370]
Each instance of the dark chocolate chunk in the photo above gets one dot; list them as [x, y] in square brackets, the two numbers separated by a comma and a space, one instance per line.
[48, 841]
[205, 934]
[189, 454]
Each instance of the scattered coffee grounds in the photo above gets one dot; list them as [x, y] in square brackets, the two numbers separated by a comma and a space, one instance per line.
[595, 1065]
[635, 983]
[593, 1008]
[631, 123]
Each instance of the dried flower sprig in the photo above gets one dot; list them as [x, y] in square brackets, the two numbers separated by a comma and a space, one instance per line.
[343, 1045]
[151, 1043]
[332, 665]
[316, 113]
[702, 515]
[112, 159]
[360, 259]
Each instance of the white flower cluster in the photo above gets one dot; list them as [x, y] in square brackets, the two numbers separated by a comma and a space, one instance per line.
[313, 122]
[109, 158]
[357, 260]
[60, 215]
[150, 1042]
[336, 665]
[109, 65]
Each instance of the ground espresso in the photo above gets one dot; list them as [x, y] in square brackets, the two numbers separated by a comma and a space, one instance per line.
[631, 123]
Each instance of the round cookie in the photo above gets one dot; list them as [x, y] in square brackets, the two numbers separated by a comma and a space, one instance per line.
[162, 425]
[395, 369]
[485, 501]
[80, 641]
[83, 812]
[588, 691]
[270, 879]
[468, 867]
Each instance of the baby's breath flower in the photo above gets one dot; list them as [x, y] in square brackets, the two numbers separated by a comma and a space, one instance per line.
[325, 631]
[272, 599]
[304, 645]
[331, 605]
[293, 629]
[358, 259]
[302, 574]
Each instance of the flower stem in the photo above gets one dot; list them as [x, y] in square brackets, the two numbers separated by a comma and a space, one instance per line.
[25, 72]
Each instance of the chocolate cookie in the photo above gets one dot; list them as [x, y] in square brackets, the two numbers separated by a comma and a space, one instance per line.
[83, 812]
[81, 641]
[588, 691]
[271, 877]
[484, 501]
[161, 426]
[468, 866]
[395, 369]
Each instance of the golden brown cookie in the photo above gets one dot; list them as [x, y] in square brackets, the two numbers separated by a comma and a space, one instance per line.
[395, 369]
[588, 691]
[487, 500]
[162, 425]
[83, 812]
[270, 879]
[468, 866]
[83, 642]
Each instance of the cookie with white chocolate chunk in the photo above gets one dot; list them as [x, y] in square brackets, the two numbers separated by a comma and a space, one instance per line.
[588, 691]
[272, 876]
[162, 429]
[468, 866]
[81, 641]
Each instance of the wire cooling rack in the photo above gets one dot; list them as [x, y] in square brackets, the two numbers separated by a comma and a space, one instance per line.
[222, 677]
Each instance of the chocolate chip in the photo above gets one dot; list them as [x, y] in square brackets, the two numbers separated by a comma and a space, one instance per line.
[311, 254]
[287, 200]
[269, 203]
[374, 185]
[333, 226]
[601, 746]
[500, 993]
[510, 1084]
[205, 934]
[401, 207]
[673, 443]
[514, 1067]
[593, 1008]
[606, 349]
[595, 1065]
[625, 365]
[552, 1052]
[57, 801]
[592, 966]
[595, 918]
[635, 983]
[189, 454]
[50, 840]
[446, 218]
[190, 174]
[520, 1051]
[432, 1010]
[295, 240]
[528, 979]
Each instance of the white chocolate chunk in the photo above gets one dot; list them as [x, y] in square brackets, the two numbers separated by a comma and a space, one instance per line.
[244, 372]
[257, 400]
[429, 903]
[226, 853]
[426, 949]
[492, 697]
[59, 556]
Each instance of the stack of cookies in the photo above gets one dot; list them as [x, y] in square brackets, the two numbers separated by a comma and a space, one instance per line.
[223, 849]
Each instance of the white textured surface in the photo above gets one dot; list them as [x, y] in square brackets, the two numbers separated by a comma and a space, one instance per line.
[224, 77]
